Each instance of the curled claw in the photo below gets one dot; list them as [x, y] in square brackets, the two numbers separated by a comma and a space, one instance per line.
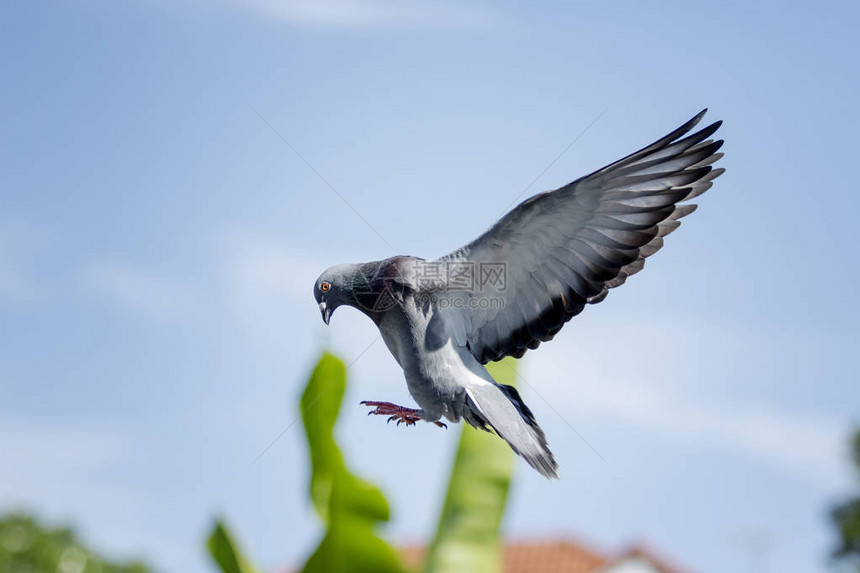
[407, 416]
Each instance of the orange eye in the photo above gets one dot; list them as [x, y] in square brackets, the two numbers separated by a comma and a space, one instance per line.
[324, 287]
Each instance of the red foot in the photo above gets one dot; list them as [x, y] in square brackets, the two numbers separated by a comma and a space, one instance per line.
[394, 412]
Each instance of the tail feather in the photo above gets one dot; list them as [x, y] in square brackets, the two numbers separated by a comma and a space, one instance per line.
[501, 408]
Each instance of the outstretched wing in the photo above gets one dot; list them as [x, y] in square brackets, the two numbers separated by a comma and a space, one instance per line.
[539, 265]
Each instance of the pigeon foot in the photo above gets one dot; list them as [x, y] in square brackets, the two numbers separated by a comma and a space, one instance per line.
[402, 414]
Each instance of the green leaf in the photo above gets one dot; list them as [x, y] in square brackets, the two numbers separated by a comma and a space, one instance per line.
[225, 552]
[467, 537]
[350, 506]
[27, 545]
[846, 519]
[320, 404]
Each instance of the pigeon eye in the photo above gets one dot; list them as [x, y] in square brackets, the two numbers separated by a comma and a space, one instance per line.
[325, 287]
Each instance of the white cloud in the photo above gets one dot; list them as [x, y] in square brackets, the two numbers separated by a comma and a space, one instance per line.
[590, 377]
[13, 284]
[19, 242]
[264, 277]
[72, 472]
[142, 291]
[55, 464]
[365, 13]
[41, 447]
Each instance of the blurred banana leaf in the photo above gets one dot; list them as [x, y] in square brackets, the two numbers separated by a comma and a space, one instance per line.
[467, 537]
[350, 507]
[225, 552]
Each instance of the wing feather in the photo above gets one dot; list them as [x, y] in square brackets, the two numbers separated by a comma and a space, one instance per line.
[564, 249]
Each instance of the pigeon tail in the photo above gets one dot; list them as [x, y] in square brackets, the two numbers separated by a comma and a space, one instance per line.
[501, 408]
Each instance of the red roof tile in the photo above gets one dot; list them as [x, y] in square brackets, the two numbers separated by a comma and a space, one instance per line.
[555, 556]
[529, 557]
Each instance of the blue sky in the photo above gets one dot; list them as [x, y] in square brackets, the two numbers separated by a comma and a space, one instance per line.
[158, 245]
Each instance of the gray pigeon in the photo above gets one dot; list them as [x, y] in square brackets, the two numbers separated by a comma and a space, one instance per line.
[516, 285]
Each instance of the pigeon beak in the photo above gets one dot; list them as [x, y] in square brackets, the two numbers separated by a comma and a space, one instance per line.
[326, 312]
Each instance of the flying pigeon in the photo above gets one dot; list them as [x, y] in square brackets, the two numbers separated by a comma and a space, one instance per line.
[516, 285]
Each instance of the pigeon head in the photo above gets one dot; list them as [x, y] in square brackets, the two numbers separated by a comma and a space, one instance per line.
[335, 287]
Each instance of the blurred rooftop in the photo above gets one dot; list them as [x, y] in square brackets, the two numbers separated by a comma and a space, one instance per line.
[567, 556]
